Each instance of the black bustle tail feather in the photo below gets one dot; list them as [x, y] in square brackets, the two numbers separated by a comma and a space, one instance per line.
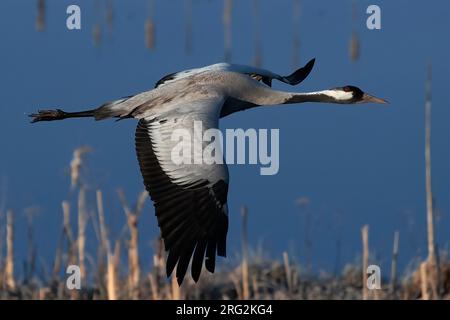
[299, 75]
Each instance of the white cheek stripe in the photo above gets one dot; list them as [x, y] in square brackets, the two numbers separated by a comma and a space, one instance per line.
[338, 94]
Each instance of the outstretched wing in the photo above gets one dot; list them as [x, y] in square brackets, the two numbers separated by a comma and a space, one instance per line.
[259, 74]
[190, 199]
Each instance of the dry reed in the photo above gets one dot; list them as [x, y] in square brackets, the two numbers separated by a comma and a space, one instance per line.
[109, 15]
[394, 262]
[133, 252]
[354, 39]
[81, 239]
[76, 165]
[257, 58]
[176, 290]
[40, 18]
[424, 281]
[68, 232]
[296, 34]
[287, 270]
[150, 27]
[365, 260]
[433, 266]
[30, 265]
[227, 15]
[105, 246]
[153, 287]
[265, 282]
[9, 268]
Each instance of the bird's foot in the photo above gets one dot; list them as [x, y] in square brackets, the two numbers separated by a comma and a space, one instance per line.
[47, 115]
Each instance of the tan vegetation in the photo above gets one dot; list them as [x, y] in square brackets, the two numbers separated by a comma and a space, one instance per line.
[252, 277]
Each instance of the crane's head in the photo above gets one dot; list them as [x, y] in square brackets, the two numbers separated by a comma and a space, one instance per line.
[352, 94]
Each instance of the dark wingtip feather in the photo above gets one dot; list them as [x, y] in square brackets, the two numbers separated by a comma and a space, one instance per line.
[171, 262]
[210, 261]
[210, 264]
[267, 81]
[222, 248]
[183, 263]
[193, 220]
[222, 239]
[197, 259]
[299, 75]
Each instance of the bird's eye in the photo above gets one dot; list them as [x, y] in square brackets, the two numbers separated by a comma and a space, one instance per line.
[347, 89]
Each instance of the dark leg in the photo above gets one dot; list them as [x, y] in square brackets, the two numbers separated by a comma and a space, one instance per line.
[58, 114]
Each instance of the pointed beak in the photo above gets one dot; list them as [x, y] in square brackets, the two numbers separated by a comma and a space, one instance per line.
[368, 98]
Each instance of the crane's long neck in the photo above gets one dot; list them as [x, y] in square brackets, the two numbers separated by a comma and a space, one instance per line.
[325, 96]
[260, 96]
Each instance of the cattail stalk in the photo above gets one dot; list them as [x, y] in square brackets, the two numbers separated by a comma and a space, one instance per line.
[111, 285]
[287, 270]
[9, 268]
[158, 258]
[354, 40]
[424, 281]
[237, 285]
[40, 19]
[394, 262]
[57, 263]
[68, 233]
[153, 287]
[1, 247]
[104, 242]
[96, 27]
[365, 260]
[176, 294]
[257, 59]
[227, 13]
[150, 27]
[430, 224]
[296, 32]
[112, 267]
[149, 34]
[76, 165]
[111, 277]
[255, 287]
[432, 259]
[133, 256]
[429, 194]
[82, 222]
[109, 15]
[31, 256]
[354, 47]
[133, 252]
[71, 244]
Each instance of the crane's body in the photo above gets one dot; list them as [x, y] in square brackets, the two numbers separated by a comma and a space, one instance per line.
[191, 199]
